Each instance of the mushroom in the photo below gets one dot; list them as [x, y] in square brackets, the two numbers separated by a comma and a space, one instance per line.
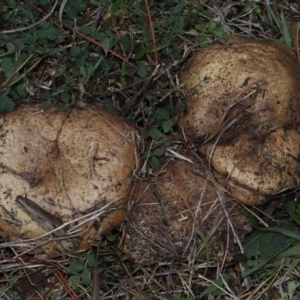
[242, 99]
[171, 213]
[65, 176]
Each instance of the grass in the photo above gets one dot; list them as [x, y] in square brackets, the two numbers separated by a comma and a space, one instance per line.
[127, 56]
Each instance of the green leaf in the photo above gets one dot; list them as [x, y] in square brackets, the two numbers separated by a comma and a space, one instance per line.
[188, 15]
[74, 280]
[87, 30]
[124, 39]
[292, 287]
[86, 277]
[181, 106]
[294, 250]
[90, 259]
[7, 66]
[268, 243]
[28, 38]
[155, 162]
[292, 207]
[141, 53]
[155, 133]
[167, 126]
[148, 154]
[21, 91]
[45, 25]
[283, 231]
[98, 36]
[163, 44]
[10, 48]
[42, 34]
[287, 37]
[125, 257]
[74, 51]
[162, 115]
[83, 70]
[247, 8]
[200, 26]
[64, 97]
[272, 16]
[109, 33]
[167, 142]
[110, 237]
[257, 9]
[10, 105]
[4, 8]
[63, 107]
[158, 152]
[105, 44]
[46, 104]
[211, 27]
[207, 12]
[3, 100]
[142, 69]
[204, 41]
[52, 34]
[178, 8]
[69, 22]
[139, 267]
[75, 267]
[72, 14]
[45, 96]
[220, 31]
[79, 62]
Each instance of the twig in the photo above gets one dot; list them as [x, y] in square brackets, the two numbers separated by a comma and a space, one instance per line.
[65, 284]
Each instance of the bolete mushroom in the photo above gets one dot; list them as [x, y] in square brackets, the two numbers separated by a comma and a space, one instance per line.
[243, 100]
[172, 212]
[64, 176]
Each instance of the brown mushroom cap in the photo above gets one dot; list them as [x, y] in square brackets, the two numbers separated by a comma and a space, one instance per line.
[162, 229]
[69, 168]
[243, 98]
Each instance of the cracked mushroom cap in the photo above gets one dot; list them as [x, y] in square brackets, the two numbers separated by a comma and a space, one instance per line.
[243, 99]
[65, 176]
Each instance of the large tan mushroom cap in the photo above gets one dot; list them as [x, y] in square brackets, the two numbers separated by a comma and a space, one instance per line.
[243, 100]
[68, 168]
